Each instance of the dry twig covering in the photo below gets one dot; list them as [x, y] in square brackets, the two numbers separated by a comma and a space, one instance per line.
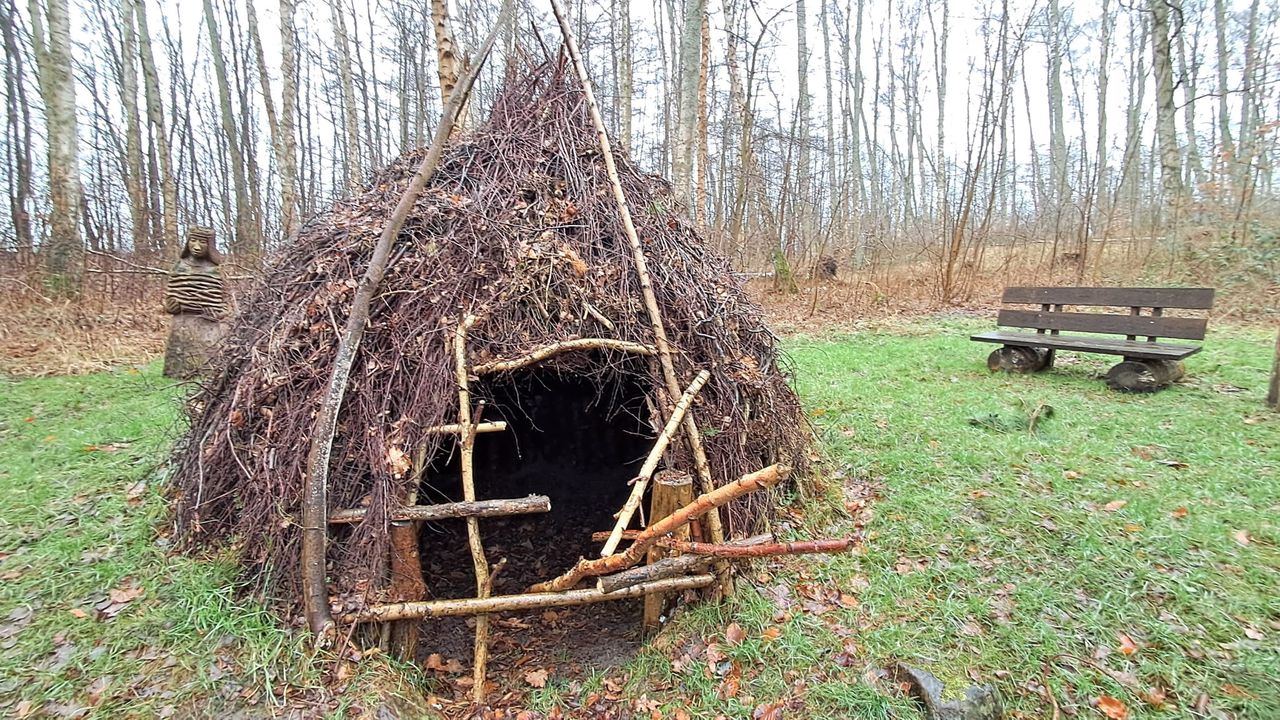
[519, 227]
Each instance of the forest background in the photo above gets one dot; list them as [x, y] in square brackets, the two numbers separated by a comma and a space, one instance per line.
[937, 151]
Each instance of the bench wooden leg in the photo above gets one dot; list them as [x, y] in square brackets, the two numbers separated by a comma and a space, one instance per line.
[1019, 359]
[1135, 375]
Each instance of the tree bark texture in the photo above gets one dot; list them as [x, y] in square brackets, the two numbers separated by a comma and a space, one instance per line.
[64, 255]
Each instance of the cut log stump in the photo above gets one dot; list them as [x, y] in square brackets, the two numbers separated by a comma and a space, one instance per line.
[407, 584]
[672, 490]
[1017, 359]
[1144, 375]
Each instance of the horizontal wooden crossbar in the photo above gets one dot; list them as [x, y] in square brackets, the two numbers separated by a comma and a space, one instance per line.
[457, 429]
[520, 603]
[1150, 326]
[445, 511]
[1184, 298]
[549, 351]
[1126, 348]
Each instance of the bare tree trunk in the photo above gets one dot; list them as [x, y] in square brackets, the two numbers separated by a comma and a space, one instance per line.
[133, 177]
[1099, 182]
[804, 125]
[18, 121]
[1225, 141]
[622, 9]
[1188, 69]
[64, 251]
[350, 117]
[686, 121]
[939, 64]
[1128, 184]
[159, 135]
[1166, 130]
[1057, 111]
[268, 101]
[288, 111]
[832, 178]
[704, 72]
[447, 64]
[245, 243]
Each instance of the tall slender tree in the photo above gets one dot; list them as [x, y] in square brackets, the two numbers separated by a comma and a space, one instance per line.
[64, 250]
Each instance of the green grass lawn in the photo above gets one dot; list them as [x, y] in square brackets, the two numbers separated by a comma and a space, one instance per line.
[1127, 548]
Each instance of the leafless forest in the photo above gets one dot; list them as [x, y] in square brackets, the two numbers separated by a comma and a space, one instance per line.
[955, 141]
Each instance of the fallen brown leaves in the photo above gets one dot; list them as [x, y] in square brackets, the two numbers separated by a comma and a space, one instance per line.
[1112, 708]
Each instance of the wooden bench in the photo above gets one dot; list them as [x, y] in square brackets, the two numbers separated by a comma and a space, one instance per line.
[1148, 364]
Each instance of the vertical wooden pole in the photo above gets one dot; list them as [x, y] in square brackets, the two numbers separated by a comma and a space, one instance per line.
[671, 491]
[478, 560]
[1273, 395]
[692, 434]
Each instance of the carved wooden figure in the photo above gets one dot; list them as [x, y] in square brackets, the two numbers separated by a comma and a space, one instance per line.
[196, 297]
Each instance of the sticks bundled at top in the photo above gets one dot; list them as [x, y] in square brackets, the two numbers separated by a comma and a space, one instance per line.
[519, 228]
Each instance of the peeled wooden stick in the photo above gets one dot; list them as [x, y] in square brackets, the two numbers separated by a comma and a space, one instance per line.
[760, 479]
[553, 349]
[700, 464]
[445, 511]
[734, 550]
[519, 603]
[315, 493]
[651, 463]
[478, 559]
[456, 429]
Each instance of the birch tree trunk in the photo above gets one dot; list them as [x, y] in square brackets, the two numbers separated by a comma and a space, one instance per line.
[687, 113]
[64, 250]
[704, 161]
[448, 66]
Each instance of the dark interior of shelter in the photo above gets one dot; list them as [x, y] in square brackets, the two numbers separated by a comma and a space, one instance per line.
[578, 440]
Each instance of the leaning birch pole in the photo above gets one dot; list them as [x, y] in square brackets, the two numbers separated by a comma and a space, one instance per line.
[315, 502]
[646, 286]
[651, 463]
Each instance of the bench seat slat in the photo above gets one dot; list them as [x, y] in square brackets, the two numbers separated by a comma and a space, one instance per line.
[1151, 326]
[1127, 348]
[1181, 298]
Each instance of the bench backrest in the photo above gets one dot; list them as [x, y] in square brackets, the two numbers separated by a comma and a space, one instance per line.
[1053, 318]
